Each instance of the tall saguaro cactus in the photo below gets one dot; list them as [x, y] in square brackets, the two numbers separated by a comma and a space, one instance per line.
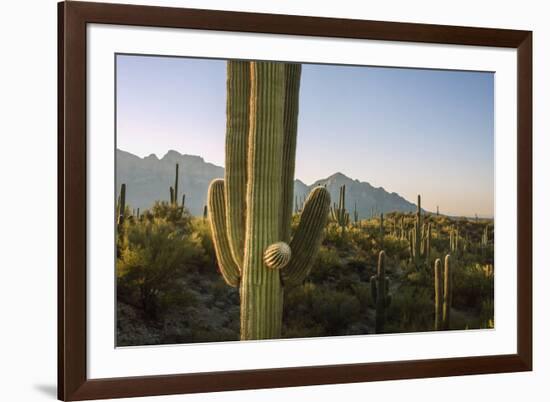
[250, 210]
[379, 285]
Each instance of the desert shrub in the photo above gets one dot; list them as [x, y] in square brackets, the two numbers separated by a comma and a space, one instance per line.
[175, 214]
[411, 310]
[152, 262]
[471, 286]
[316, 306]
[327, 267]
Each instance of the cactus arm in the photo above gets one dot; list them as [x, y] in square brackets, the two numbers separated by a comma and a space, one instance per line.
[216, 204]
[236, 143]
[290, 126]
[308, 237]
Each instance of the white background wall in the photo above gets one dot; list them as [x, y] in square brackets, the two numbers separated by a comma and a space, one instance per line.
[28, 198]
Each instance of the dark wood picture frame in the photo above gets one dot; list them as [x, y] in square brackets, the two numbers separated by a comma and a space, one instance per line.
[73, 383]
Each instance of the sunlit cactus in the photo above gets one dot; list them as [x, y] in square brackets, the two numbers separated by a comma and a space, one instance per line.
[379, 285]
[250, 210]
[443, 293]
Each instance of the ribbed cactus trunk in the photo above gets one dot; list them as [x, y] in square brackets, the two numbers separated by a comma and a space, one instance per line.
[261, 291]
[380, 292]
[251, 210]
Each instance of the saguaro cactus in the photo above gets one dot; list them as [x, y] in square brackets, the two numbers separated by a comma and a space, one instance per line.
[121, 208]
[381, 230]
[338, 212]
[175, 201]
[417, 232]
[250, 210]
[379, 288]
[443, 291]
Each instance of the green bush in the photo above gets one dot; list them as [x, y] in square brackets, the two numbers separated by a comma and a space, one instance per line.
[153, 258]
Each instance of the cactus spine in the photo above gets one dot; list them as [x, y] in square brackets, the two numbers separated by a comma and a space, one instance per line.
[251, 209]
[443, 292]
[379, 284]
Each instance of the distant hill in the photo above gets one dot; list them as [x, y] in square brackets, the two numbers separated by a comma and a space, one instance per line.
[149, 179]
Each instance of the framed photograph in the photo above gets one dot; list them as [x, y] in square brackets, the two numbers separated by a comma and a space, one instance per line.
[253, 200]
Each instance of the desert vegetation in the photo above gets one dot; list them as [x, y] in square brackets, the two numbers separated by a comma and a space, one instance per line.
[259, 263]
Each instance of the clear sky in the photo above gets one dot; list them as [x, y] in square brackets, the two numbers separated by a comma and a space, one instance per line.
[411, 131]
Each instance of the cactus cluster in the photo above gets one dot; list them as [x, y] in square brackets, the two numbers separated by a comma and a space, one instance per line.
[379, 285]
[442, 294]
[250, 210]
[338, 211]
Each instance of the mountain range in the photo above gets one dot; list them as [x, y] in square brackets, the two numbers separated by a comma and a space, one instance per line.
[149, 179]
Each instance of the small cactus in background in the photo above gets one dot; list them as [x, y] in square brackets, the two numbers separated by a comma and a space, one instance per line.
[175, 200]
[205, 212]
[171, 195]
[417, 232]
[250, 210]
[183, 201]
[443, 293]
[355, 214]
[121, 208]
[338, 212]
[381, 231]
[438, 294]
[420, 238]
[447, 293]
[379, 285]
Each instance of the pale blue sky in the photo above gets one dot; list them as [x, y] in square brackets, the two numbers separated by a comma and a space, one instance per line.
[408, 130]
